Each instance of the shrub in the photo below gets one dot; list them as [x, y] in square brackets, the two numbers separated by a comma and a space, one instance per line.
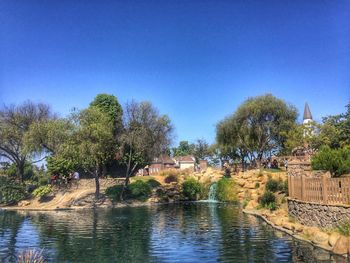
[168, 172]
[42, 191]
[336, 161]
[191, 189]
[10, 191]
[140, 190]
[257, 185]
[153, 183]
[226, 190]
[114, 192]
[268, 200]
[245, 202]
[344, 229]
[273, 185]
[171, 178]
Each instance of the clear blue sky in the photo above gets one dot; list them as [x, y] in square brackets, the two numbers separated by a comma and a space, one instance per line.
[194, 60]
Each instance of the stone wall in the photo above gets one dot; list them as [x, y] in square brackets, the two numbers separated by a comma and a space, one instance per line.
[318, 215]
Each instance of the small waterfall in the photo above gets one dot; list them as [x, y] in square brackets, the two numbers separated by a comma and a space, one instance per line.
[212, 192]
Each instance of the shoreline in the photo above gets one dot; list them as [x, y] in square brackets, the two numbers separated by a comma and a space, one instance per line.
[289, 232]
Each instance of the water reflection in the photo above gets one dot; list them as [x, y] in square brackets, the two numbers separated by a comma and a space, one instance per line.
[193, 232]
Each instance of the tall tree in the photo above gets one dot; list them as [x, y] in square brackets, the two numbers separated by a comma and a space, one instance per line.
[258, 127]
[109, 104]
[15, 123]
[147, 134]
[184, 148]
[201, 149]
[90, 145]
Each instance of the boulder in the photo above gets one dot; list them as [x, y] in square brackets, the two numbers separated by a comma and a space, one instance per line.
[23, 203]
[250, 185]
[246, 175]
[333, 238]
[320, 238]
[342, 246]
[252, 204]
[289, 226]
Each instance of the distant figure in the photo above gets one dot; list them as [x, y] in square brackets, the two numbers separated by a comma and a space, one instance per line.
[54, 179]
[76, 176]
[286, 164]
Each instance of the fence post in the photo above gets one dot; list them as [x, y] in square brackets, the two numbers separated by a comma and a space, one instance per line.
[324, 189]
[289, 186]
[303, 195]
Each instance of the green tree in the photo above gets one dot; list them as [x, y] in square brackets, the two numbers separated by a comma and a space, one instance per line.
[258, 127]
[336, 161]
[302, 135]
[90, 145]
[47, 136]
[201, 149]
[335, 130]
[15, 123]
[109, 104]
[184, 148]
[147, 134]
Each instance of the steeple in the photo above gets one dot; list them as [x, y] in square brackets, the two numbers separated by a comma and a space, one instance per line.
[307, 113]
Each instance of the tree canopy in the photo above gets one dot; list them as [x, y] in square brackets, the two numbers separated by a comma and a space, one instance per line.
[15, 125]
[146, 135]
[257, 128]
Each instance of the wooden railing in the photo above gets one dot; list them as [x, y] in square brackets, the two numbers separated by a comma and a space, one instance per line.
[320, 190]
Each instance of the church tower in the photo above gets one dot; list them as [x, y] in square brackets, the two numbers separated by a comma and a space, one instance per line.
[307, 115]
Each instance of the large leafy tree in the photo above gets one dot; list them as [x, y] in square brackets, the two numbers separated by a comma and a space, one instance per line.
[92, 143]
[89, 146]
[184, 148]
[147, 134]
[15, 124]
[201, 149]
[335, 130]
[257, 128]
[109, 105]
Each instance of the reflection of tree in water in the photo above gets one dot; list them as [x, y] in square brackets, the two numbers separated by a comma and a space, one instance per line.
[99, 236]
[10, 224]
[244, 239]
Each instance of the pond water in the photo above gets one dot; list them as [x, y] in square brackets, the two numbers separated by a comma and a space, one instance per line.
[192, 232]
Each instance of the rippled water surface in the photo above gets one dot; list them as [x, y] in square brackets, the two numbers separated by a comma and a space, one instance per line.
[193, 232]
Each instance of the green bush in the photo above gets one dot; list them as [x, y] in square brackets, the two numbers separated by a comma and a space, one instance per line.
[268, 200]
[140, 189]
[257, 185]
[191, 189]
[226, 190]
[10, 191]
[273, 185]
[42, 191]
[336, 161]
[114, 192]
[171, 178]
[153, 183]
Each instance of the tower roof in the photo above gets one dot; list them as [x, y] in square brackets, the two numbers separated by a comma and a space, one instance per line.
[307, 112]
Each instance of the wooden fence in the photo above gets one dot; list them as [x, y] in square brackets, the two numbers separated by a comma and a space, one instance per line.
[320, 190]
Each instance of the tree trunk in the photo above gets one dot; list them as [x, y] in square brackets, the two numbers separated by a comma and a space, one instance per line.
[20, 171]
[97, 183]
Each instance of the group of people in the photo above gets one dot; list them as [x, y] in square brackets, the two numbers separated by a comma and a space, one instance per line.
[65, 179]
[273, 164]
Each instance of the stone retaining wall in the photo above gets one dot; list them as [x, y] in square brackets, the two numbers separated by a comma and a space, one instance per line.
[318, 215]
